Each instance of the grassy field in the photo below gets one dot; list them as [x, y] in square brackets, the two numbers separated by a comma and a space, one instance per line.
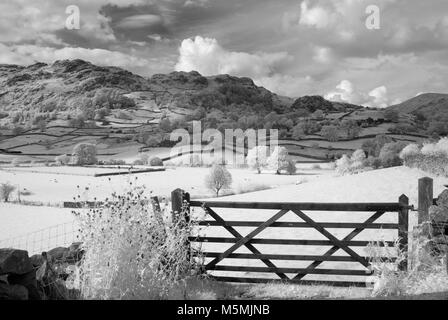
[22, 226]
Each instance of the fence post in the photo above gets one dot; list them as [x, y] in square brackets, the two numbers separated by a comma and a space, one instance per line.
[403, 231]
[425, 198]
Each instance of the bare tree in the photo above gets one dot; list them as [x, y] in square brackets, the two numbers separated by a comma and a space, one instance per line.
[219, 178]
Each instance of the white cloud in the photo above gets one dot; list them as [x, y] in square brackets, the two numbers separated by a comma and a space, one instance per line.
[346, 92]
[323, 55]
[196, 3]
[379, 96]
[287, 85]
[206, 56]
[316, 16]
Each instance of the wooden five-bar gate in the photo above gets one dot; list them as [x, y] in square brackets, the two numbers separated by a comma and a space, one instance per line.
[237, 241]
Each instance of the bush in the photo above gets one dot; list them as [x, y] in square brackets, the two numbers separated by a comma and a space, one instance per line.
[257, 158]
[435, 149]
[144, 157]
[62, 160]
[373, 146]
[84, 154]
[153, 142]
[390, 154]
[343, 165]
[426, 272]
[218, 178]
[351, 128]
[432, 157]
[402, 129]
[156, 162]
[330, 133]
[409, 152]
[78, 122]
[165, 125]
[298, 132]
[6, 189]
[139, 162]
[358, 159]
[113, 162]
[278, 160]
[373, 162]
[291, 167]
[349, 165]
[17, 130]
[132, 252]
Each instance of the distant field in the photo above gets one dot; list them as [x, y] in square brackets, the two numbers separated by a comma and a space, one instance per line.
[58, 184]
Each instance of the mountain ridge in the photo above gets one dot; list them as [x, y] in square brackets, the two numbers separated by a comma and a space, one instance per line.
[67, 89]
[430, 105]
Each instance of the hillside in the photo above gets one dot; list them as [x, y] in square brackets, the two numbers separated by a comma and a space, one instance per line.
[46, 109]
[77, 86]
[41, 93]
[430, 105]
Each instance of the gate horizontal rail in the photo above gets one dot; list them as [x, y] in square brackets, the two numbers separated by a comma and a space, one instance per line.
[286, 257]
[308, 206]
[338, 283]
[292, 242]
[330, 225]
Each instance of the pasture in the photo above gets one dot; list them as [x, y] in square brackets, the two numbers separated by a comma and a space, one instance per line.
[50, 186]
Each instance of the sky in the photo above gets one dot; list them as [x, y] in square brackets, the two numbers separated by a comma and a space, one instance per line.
[291, 47]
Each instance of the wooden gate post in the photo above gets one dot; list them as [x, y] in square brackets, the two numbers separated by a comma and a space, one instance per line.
[425, 198]
[180, 200]
[403, 231]
[180, 204]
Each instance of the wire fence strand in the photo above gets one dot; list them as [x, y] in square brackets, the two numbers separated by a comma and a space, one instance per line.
[60, 235]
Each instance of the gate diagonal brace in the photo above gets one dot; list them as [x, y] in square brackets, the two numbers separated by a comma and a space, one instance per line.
[349, 237]
[244, 240]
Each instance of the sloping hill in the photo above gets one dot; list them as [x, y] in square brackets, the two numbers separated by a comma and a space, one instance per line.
[431, 105]
[36, 94]
[77, 86]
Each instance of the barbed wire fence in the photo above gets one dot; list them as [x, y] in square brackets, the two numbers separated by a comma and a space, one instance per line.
[60, 235]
